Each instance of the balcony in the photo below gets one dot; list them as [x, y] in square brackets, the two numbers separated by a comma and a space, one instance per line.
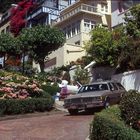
[5, 16]
[80, 8]
[41, 11]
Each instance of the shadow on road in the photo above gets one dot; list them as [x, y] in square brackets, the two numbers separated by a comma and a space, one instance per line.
[87, 112]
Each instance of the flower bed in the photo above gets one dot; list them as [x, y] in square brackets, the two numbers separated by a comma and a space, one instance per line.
[20, 94]
[14, 86]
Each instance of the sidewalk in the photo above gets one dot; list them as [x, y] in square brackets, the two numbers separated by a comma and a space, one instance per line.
[59, 105]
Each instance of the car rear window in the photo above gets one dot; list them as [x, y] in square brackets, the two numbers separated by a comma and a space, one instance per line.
[94, 87]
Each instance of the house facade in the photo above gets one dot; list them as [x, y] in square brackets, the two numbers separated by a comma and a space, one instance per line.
[5, 22]
[119, 8]
[76, 21]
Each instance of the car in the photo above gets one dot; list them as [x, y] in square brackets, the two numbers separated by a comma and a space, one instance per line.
[100, 94]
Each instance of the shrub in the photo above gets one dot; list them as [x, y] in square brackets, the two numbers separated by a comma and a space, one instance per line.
[130, 109]
[51, 89]
[21, 106]
[108, 125]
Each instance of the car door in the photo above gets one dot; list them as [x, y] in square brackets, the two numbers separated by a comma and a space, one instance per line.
[114, 93]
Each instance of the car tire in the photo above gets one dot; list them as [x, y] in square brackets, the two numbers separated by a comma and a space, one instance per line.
[73, 111]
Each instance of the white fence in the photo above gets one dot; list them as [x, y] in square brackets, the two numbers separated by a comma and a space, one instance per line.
[130, 80]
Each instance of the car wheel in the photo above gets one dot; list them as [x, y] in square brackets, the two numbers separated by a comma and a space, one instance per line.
[73, 111]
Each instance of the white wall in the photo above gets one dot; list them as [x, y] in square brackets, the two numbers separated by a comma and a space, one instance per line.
[130, 80]
[117, 17]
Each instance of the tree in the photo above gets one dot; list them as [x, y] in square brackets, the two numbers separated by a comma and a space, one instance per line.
[81, 75]
[8, 45]
[42, 40]
[132, 53]
[105, 46]
[132, 21]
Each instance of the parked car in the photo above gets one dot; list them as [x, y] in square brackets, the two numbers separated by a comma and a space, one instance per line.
[98, 94]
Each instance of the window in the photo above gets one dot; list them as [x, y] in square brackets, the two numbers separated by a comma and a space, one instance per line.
[111, 86]
[104, 7]
[115, 87]
[73, 29]
[88, 25]
[78, 27]
[69, 33]
[120, 86]
[94, 87]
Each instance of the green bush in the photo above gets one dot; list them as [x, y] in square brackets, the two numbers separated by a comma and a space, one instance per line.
[22, 106]
[130, 109]
[108, 125]
[51, 89]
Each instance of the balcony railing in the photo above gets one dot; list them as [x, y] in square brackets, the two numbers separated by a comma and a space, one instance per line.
[80, 8]
[43, 10]
[5, 16]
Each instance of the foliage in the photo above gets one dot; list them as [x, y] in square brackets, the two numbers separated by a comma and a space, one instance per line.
[130, 109]
[131, 55]
[43, 40]
[18, 16]
[42, 77]
[8, 44]
[81, 75]
[11, 106]
[105, 46]
[132, 20]
[51, 89]
[108, 125]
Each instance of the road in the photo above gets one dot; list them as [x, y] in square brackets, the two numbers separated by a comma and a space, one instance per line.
[55, 126]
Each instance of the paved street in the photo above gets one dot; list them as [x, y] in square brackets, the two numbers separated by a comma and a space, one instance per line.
[56, 126]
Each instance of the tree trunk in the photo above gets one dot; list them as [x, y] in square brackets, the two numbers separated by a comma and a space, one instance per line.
[41, 63]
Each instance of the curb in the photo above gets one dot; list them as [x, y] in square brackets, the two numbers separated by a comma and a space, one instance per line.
[59, 106]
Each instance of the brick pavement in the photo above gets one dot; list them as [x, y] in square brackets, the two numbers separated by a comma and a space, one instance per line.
[59, 126]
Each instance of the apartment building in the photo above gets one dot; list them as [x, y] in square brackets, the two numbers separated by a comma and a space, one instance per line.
[5, 22]
[76, 18]
[45, 12]
[119, 8]
[76, 21]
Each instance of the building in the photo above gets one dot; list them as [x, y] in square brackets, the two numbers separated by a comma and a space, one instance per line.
[5, 22]
[46, 11]
[119, 8]
[76, 21]
[76, 18]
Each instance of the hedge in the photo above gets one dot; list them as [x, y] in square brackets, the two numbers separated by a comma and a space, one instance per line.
[108, 125]
[22, 106]
[130, 109]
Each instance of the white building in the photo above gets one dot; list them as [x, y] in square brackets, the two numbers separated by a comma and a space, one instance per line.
[119, 8]
[76, 21]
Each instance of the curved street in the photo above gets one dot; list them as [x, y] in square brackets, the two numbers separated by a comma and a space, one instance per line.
[53, 126]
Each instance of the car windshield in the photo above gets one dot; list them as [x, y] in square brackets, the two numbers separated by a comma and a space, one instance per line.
[94, 87]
